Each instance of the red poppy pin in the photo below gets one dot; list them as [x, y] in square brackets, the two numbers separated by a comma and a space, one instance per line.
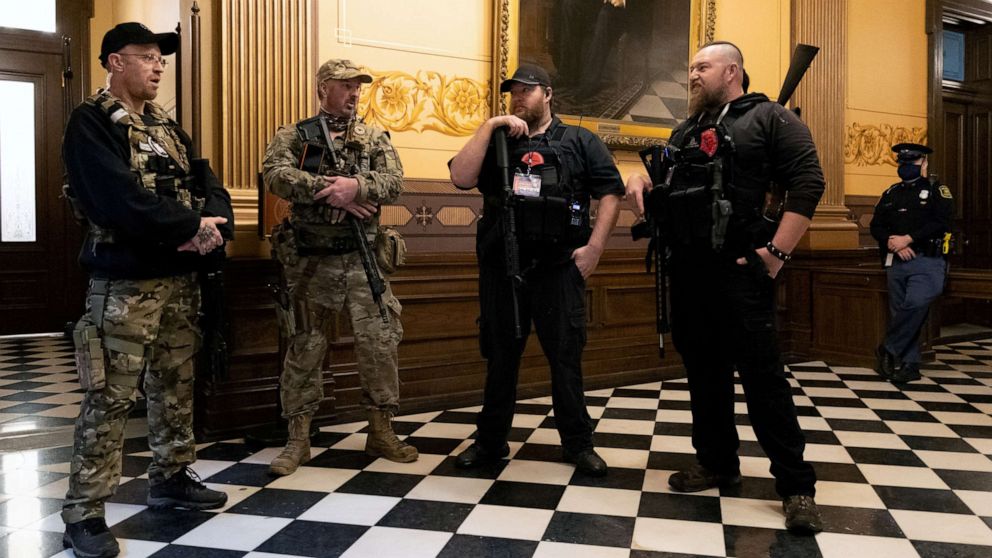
[708, 142]
[532, 159]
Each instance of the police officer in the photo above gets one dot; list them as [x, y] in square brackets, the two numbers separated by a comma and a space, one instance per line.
[154, 212]
[909, 224]
[349, 178]
[556, 171]
[724, 258]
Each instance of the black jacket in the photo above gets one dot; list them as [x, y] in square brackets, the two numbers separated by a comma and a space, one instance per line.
[920, 209]
[148, 228]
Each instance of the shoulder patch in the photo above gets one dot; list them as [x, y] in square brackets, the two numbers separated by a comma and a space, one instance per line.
[945, 192]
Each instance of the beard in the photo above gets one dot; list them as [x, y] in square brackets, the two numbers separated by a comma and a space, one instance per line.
[707, 99]
[531, 115]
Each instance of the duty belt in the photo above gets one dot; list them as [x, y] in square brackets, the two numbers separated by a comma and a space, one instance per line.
[334, 247]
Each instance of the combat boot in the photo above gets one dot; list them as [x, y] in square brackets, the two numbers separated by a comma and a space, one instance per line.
[382, 441]
[297, 450]
[90, 538]
[184, 490]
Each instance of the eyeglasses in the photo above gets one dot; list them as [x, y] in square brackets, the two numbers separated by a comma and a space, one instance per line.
[150, 58]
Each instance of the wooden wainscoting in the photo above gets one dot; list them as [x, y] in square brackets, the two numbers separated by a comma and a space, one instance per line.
[440, 365]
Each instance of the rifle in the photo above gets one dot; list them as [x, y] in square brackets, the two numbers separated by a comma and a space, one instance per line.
[376, 284]
[213, 321]
[511, 249]
[659, 165]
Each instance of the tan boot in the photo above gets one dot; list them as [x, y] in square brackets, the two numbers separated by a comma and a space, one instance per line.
[297, 450]
[382, 441]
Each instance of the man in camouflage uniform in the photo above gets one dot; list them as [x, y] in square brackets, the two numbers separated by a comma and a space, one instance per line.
[350, 179]
[154, 212]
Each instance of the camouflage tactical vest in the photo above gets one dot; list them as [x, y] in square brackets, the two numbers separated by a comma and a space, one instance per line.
[158, 155]
[352, 155]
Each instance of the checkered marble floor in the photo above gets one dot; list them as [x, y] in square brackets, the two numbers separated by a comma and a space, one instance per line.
[38, 385]
[904, 471]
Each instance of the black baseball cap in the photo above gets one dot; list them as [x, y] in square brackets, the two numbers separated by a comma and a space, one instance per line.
[909, 152]
[134, 33]
[531, 74]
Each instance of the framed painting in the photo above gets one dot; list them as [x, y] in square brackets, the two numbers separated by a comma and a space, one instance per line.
[618, 67]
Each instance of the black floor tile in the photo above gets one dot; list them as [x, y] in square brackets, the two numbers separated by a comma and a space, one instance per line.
[618, 477]
[876, 456]
[670, 461]
[134, 491]
[581, 528]
[625, 441]
[629, 414]
[947, 550]
[381, 484]
[839, 472]
[858, 425]
[752, 542]
[425, 514]
[247, 474]
[160, 525]
[641, 393]
[825, 437]
[437, 446]
[905, 416]
[753, 487]
[24, 396]
[921, 499]
[312, 538]
[486, 471]
[686, 507]
[532, 409]
[341, 459]
[968, 431]
[179, 551]
[524, 495]
[673, 429]
[933, 443]
[457, 417]
[134, 465]
[838, 402]
[965, 480]
[674, 405]
[274, 502]
[859, 521]
[539, 452]
[226, 452]
[463, 546]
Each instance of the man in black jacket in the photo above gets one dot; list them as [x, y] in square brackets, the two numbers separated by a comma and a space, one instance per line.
[909, 224]
[154, 213]
[725, 255]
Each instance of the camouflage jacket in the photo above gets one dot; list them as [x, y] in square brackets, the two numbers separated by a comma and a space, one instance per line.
[364, 149]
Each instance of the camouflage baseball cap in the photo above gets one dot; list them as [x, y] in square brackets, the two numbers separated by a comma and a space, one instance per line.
[339, 68]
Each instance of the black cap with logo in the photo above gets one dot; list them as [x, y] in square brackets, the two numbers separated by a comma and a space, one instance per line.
[530, 74]
[134, 33]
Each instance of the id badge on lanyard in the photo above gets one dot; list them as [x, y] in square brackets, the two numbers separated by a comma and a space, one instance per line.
[527, 185]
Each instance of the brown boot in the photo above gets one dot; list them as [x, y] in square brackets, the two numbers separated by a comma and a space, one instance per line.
[297, 450]
[382, 441]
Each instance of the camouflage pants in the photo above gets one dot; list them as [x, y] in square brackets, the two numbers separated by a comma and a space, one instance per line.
[339, 282]
[159, 314]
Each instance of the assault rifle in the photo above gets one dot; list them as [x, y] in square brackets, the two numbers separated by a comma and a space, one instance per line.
[511, 249]
[312, 157]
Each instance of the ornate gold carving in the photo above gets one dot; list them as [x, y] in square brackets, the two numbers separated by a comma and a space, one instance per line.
[710, 20]
[401, 102]
[870, 144]
[501, 52]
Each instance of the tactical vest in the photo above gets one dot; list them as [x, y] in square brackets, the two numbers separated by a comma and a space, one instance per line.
[702, 206]
[559, 217]
[350, 155]
[158, 155]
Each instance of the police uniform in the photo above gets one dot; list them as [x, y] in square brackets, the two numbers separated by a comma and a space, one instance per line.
[322, 267]
[575, 167]
[723, 313]
[129, 175]
[922, 210]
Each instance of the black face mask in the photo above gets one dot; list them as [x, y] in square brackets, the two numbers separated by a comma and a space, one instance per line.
[909, 172]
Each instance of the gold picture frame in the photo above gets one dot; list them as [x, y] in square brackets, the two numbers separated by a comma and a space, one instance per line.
[615, 133]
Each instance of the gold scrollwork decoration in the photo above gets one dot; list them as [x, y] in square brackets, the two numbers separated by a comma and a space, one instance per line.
[870, 144]
[400, 102]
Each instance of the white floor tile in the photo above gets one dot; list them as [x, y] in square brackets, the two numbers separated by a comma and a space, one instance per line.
[954, 528]
[381, 542]
[422, 466]
[352, 509]
[877, 440]
[548, 549]
[748, 512]
[673, 535]
[955, 460]
[839, 545]
[451, 489]
[625, 458]
[320, 479]
[603, 501]
[216, 532]
[848, 494]
[896, 475]
[537, 471]
[506, 522]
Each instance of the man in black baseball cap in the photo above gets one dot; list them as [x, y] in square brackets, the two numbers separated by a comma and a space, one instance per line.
[134, 33]
[529, 74]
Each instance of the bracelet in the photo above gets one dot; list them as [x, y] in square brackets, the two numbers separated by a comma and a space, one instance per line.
[773, 250]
